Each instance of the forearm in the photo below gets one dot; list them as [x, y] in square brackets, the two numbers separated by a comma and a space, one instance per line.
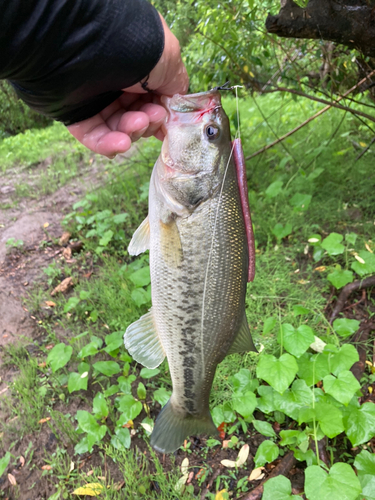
[69, 59]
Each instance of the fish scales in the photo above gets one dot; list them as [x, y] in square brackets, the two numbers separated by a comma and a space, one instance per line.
[198, 262]
[179, 322]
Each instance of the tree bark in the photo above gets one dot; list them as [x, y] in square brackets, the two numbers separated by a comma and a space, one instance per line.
[348, 22]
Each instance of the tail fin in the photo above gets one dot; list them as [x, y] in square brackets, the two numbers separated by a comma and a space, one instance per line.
[171, 429]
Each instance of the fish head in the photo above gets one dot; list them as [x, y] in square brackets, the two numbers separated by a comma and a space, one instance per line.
[197, 141]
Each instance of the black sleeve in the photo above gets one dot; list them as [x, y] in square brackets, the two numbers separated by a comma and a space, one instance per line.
[69, 59]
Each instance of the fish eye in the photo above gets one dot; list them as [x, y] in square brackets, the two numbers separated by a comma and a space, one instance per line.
[212, 132]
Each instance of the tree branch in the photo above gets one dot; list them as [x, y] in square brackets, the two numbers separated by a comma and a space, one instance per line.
[348, 22]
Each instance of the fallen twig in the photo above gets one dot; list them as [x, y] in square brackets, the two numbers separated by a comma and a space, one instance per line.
[366, 149]
[211, 482]
[359, 341]
[283, 468]
[347, 290]
[311, 118]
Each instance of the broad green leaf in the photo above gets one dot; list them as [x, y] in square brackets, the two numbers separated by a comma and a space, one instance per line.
[217, 416]
[141, 391]
[141, 277]
[289, 437]
[340, 484]
[279, 373]
[345, 327]
[292, 400]
[125, 383]
[140, 296]
[129, 407]
[244, 405]
[71, 304]
[296, 342]
[369, 264]
[88, 350]
[351, 238]
[344, 359]
[274, 189]
[86, 421]
[82, 446]
[281, 231]
[59, 356]
[306, 414]
[83, 368]
[149, 372]
[300, 202]
[340, 278]
[269, 325]
[318, 253]
[266, 402]
[315, 173]
[242, 381]
[120, 218]
[121, 439]
[313, 367]
[4, 462]
[267, 452]
[84, 294]
[112, 389]
[265, 428]
[309, 457]
[278, 488]
[360, 424]
[106, 238]
[365, 465]
[330, 419]
[76, 382]
[96, 436]
[162, 396]
[333, 244]
[108, 368]
[114, 341]
[299, 310]
[229, 414]
[100, 407]
[341, 388]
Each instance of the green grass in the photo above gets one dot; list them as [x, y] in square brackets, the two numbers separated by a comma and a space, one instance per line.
[35, 145]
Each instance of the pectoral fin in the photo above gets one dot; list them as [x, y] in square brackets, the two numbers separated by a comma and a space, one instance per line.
[141, 239]
[170, 243]
[143, 343]
[243, 341]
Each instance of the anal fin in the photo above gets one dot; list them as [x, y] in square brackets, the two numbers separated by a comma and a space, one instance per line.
[140, 241]
[143, 343]
[243, 341]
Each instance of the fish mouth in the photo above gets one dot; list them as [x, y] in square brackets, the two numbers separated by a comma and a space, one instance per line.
[197, 104]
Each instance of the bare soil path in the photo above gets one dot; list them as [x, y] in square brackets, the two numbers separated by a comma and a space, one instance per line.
[36, 221]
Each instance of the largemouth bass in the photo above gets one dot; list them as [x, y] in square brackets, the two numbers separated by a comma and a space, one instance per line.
[198, 233]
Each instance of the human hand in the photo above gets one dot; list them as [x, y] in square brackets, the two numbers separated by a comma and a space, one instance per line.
[136, 113]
